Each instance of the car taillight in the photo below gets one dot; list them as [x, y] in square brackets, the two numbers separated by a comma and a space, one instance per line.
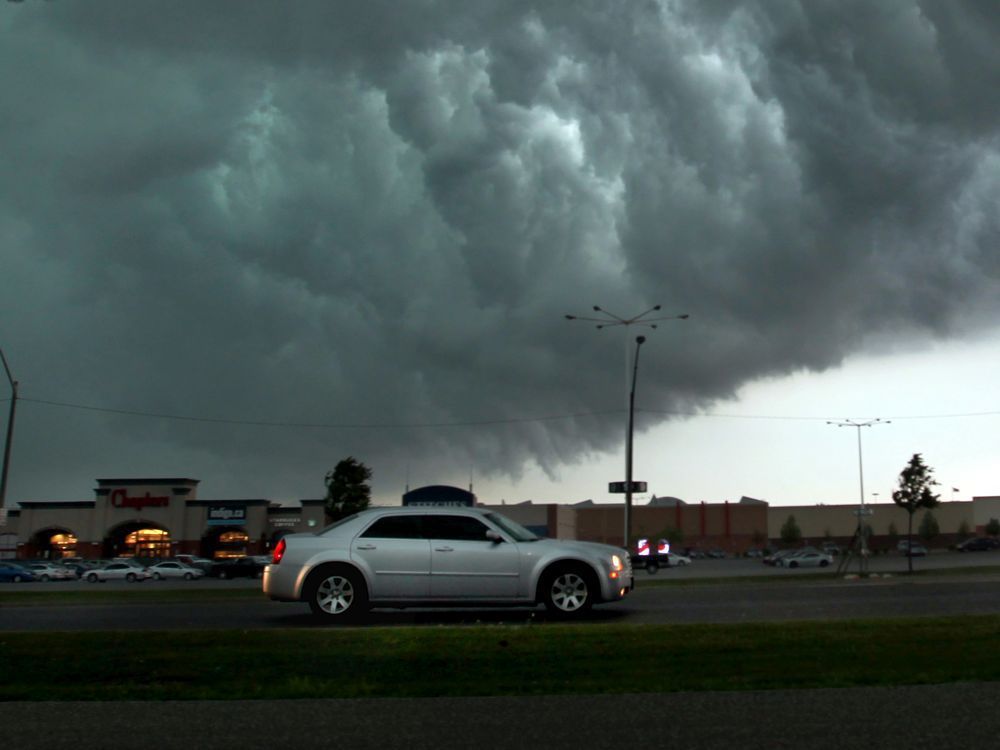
[279, 552]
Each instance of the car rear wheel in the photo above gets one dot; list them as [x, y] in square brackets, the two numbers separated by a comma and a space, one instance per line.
[223, 574]
[17, 579]
[568, 591]
[92, 578]
[44, 577]
[823, 563]
[157, 577]
[130, 577]
[337, 593]
[652, 567]
[188, 576]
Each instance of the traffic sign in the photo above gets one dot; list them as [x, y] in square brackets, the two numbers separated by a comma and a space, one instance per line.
[620, 488]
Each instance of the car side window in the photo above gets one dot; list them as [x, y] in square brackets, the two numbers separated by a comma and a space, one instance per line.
[395, 527]
[458, 528]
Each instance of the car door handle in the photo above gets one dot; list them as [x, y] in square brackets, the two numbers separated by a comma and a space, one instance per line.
[366, 547]
[444, 549]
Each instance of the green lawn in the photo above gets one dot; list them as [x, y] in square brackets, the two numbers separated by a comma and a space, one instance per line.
[495, 660]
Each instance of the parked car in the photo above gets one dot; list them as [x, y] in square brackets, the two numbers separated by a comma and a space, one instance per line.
[807, 558]
[777, 556]
[977, 544]
[173, 569]
[117, 571]
[240, 567]
[831, 549]
[202, 563]
[14, 573]
[915, 550]
[50, 572]
[385, 557]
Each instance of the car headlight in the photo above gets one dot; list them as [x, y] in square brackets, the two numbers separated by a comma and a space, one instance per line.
[616, 566]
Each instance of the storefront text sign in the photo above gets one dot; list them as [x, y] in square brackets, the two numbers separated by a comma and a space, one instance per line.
[227, 515]
[121, 499]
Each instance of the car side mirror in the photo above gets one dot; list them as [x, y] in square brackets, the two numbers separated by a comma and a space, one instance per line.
[493, 536]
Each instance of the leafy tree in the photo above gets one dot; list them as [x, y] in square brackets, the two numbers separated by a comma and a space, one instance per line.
[790, 531]
[347, 489]
[914, 492]
[993, 527]
[929, 527]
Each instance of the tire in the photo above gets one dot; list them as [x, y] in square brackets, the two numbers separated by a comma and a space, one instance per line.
[17, 579]
[568, 590]
[188, 576]
[157, 577]
[130, 577]
[223, 575]
[43, 578]
[92, 578]
[793, 564]
[823, 563]
[652, 566]
[337, 593]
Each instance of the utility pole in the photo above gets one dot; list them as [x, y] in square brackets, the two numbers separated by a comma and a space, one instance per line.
[609, 320]
[10, 432]
[862, 511]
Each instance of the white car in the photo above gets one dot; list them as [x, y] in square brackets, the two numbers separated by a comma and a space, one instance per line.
[117, 571]
[441, 556]
[171, 569]
[806, 559]
[50, 572]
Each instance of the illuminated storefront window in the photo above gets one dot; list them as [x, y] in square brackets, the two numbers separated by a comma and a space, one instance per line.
[232, 544]
[63, 545]
[147, 543]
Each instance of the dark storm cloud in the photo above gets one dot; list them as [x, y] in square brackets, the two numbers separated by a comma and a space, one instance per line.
[378, 214]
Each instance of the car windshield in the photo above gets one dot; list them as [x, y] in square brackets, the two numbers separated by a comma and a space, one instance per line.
[516, 530]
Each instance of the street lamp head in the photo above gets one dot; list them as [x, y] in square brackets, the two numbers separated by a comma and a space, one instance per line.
[570, 317]
[657, 307]
[640, 340]
[596, 308]
[685, 316]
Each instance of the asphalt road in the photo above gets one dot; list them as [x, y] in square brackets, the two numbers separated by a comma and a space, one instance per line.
[914, 717]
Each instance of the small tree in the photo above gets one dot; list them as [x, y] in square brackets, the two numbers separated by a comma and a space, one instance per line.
[790, 531]
[914, 492]
[347, 489]
[929, 528]
[993, 527]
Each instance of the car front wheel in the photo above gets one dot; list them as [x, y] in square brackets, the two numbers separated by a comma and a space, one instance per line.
[157, 577]
[188, 576]
[652, 567]
[337, 593]
[568, 592]
[92, 578]
[130, 577]
[793, 564]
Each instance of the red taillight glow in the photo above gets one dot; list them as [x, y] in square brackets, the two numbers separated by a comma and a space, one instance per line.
[279, 552]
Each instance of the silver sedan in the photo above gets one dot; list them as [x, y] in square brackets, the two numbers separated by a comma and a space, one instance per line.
[441, 556]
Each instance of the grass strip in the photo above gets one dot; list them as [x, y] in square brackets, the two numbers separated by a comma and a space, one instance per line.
[495, 660]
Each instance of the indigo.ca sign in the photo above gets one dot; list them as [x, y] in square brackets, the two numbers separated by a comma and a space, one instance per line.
[227, 515]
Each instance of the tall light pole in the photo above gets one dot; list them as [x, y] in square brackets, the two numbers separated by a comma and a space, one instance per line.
[639, 340]
[609, 319]
[862, 510]
[10, 432]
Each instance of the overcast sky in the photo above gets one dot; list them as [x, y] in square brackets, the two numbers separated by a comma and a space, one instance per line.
[319, 229]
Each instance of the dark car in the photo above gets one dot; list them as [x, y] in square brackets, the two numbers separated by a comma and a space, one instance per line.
[14, 573]
[977, 544]
[242, 567]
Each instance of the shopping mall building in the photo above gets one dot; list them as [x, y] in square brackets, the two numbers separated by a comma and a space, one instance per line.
[165, 517]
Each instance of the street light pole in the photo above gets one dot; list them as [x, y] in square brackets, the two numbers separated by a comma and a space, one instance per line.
[609, 320]
[862, 511]
[10, 432]
[639, 340]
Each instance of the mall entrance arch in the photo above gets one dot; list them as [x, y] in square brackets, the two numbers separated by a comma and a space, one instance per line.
[53, 543]
[145, 539]
[225, 542]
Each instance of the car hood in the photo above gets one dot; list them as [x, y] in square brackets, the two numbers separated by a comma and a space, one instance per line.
[593, 548]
